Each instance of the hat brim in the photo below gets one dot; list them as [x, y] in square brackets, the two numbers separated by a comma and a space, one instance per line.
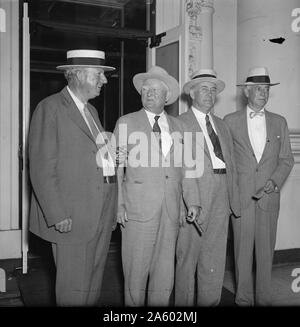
[251, 83]
[219, 84]
[170, 81]
[105, 68]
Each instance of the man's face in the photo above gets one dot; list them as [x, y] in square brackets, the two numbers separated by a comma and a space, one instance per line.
[204, 96]
[91, 81]
[257, 95]
[154, 94]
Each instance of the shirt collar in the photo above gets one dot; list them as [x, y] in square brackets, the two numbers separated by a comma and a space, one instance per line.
[78, 103]
[152, 114]
[200, 114]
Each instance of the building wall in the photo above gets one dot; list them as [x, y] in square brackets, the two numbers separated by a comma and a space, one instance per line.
[10, 236]
[242, 33]
[225, 53]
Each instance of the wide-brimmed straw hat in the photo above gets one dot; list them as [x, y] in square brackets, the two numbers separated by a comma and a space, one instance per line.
[258, 76]
[86, 58]
[204, 75]
[157, 72]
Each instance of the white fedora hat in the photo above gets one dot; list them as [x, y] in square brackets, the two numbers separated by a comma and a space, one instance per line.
[258, 75]
[161, 74]
[204, 75]
[86, 58]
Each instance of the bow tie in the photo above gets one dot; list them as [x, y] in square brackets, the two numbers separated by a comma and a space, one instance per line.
[259, 113]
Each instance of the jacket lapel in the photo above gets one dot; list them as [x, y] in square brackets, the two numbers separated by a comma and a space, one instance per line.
[244, 129]
[268, 134]
[74, 113]
[195, 127]
[222, 138]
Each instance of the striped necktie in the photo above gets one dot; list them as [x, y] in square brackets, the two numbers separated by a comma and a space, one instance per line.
[91, 122]
[94, 129]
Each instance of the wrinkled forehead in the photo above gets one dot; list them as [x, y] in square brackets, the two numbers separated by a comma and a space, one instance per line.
[155, 84]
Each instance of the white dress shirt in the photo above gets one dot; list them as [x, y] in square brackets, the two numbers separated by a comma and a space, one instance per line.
[166, 139]
[107, 164]
[217, 163]
[257, 132]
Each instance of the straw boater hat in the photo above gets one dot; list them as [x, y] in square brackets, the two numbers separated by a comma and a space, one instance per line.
[86, 58]
[258, 75]
[204, 75]
[159, 73]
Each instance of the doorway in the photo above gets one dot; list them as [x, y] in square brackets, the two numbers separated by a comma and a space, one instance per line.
[118, 27]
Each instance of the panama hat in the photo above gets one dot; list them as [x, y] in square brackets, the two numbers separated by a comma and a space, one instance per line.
[85, 58]
[204, 75]
[161, 74]
[258, 75]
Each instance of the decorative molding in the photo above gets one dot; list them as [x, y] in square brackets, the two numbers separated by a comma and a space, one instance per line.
[295, 144]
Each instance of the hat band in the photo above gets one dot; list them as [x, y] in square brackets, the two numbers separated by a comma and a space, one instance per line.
[86, 61]
[258, 79]
[203, 75]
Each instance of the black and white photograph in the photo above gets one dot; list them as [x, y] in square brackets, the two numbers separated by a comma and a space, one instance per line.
[149, 157]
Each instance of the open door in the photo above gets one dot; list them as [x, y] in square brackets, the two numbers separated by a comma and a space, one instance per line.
[25, 129]
[171, 52]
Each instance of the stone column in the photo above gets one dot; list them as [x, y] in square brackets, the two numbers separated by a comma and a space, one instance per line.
[200, 34]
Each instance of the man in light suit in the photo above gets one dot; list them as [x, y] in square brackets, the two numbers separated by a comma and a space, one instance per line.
[150, 192]
[73, 179]
[264, 161]
[203, 252]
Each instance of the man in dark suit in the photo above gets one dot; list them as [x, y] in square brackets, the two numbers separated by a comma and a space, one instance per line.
[264, 160]
[151, 189]
[203, 251]
[73, 179]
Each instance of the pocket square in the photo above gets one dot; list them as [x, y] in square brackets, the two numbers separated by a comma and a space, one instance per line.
[278, 136]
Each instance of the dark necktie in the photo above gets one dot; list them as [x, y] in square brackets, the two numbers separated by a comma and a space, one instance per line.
[214, 139]
[156, 129]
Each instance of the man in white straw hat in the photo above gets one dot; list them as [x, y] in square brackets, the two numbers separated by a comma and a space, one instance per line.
[150, 193]
[73, 193]
[204, 254]
[264, 161]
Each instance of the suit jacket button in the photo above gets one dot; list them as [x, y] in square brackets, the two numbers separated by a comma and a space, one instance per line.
[167, 177]
[256, 169]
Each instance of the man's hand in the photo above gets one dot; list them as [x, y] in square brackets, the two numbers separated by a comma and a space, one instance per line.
[193, 213]
[270, 186]
[122, 216]
[64, 226]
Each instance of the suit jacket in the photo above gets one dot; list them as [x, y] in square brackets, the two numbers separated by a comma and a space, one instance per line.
[204, 182]
[145, 187]
[66, 181]
[276, 162]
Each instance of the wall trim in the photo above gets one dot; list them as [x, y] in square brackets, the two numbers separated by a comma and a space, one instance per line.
[287, 256]
[295, 144]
